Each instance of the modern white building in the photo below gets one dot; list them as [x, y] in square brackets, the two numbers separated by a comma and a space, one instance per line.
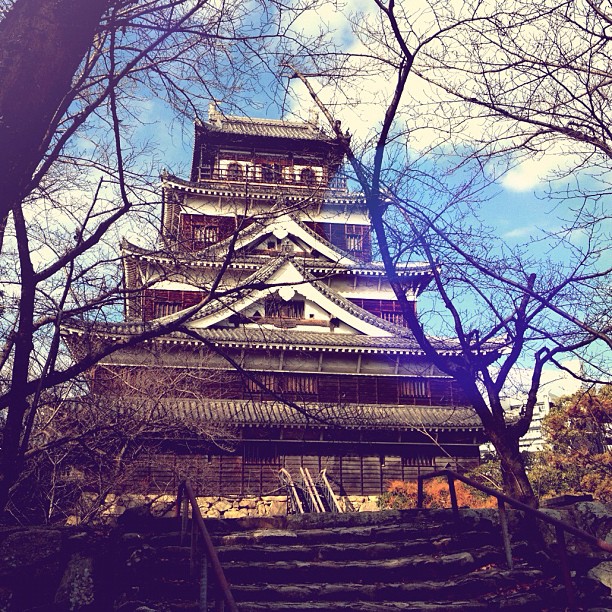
[555, 384]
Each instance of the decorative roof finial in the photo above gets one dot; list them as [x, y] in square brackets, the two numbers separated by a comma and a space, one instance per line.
[313, 116]
[214, 116]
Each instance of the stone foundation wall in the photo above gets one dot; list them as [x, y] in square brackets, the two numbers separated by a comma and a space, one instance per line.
[228, 507]
[220, 506]
[362, 503]
[210, 507]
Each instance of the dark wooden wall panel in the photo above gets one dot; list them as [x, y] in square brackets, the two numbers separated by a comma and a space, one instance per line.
[371, 475]
[354, 474]
[328, 388]
[269, 480]
[391, 470]
[230, 478]
[252, 479]
[351, 474]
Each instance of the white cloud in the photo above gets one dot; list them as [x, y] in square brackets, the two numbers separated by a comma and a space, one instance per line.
[530, 173]
[520, 232]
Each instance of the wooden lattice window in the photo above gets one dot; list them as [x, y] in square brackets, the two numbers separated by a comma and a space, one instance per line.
[277, 308]
[308, 176]
[267, 380]
[271, 173]
[206, 234]
[392, 317]
[261, 454]
[418, 461]
[414, 387]
[163, 309]
[353, 237]
[302, 385]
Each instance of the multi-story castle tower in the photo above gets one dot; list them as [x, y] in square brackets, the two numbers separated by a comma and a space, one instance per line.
[294, 344]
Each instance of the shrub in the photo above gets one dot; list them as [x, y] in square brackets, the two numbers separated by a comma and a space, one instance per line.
[402, 495]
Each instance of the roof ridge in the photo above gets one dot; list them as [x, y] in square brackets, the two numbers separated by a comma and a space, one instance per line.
[288, 122]
[259, 276]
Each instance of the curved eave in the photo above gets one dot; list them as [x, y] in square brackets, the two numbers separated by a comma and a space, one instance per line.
[119, 332]
[254, 262]
[265, 192]
[351, 416]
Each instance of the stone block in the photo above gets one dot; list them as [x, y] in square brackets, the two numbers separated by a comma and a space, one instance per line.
[273, 498]
[369, 506]
[134, 500]
[163, 505]
[76, 590]
[222, 505]
[6, 598]
[208, 500]
[234, 513]
[30, 552]
[602, 573]
[248, 503]
[278, 507]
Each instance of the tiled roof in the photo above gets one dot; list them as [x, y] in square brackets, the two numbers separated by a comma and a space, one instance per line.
[259, 228]
[261, 276]
[285, 338]
[270, 128]
[260, 337]
[263, 337]
[353, 309]
[349, 416]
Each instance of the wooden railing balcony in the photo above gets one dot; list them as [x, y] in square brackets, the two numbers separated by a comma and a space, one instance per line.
[284, 180]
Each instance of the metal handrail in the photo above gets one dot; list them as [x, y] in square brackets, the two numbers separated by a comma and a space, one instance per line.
[292, 492]
[332, 500]
[502, 499]
[186, 497]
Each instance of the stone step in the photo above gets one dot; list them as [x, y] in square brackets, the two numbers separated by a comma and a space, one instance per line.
[171, 538]
[348, 535]
[158, 587]
[491, 581]
[416, 567]
[329, 520]
[158, 604]
[529, 602]
[292, 549]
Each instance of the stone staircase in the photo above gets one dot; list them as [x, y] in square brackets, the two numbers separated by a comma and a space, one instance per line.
[378, 561]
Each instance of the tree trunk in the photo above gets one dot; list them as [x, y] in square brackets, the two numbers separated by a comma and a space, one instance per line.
[514, 475]
[42, 43]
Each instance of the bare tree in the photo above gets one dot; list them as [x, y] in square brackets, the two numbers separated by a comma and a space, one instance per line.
[79, 166]
[536, 79]
[92, 442]
[532, 307]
